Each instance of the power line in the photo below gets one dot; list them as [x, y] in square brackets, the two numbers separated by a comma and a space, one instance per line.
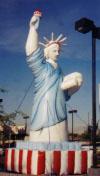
[76, 114]
[27, 90]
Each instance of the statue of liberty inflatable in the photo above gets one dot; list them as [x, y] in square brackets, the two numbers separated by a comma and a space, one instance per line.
[48, 151]
[52, 89]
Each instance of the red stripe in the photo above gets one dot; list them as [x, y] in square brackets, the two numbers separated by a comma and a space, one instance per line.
[20, 160]
[56, 162]
[29, 156]
[84, 162]
[12, 159]
[6, 158]
[41, 163]
[71, 162]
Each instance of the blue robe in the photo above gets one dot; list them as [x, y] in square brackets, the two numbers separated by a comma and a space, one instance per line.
[49, 104]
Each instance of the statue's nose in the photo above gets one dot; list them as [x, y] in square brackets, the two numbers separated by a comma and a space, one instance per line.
[57, 53]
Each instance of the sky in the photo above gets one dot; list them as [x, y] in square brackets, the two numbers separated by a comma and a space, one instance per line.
[59, 16]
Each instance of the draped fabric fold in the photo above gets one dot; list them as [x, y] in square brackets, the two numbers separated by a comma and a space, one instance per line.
[49, 104]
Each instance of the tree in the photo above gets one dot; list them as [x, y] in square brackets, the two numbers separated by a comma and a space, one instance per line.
[7, 120]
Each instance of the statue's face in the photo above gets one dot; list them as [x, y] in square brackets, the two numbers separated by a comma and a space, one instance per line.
[53, 52]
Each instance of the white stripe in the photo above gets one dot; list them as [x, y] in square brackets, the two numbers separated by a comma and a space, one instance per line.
[16, 162]
[64, 162]
[24, 162]
[89, 159]
[34, 161]
[9, 159]
[48, 162]
[77, 167]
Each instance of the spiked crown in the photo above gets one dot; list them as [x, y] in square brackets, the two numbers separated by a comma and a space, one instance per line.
[52, 41]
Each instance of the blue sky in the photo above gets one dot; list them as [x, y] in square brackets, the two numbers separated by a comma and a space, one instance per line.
[59, 16]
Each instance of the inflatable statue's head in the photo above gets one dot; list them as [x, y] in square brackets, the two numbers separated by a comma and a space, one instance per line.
[53, 47]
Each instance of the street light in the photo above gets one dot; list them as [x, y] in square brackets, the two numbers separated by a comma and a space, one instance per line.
[85, 25]
[72, 111]
[26, 117]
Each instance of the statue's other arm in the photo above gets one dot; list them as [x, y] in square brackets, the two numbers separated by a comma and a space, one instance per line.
[32, 40]
[72, 83]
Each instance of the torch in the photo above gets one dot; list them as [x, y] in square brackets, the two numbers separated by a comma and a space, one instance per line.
[38, 14]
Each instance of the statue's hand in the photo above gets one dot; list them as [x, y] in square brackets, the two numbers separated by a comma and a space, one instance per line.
[33, 20]
[72, 83]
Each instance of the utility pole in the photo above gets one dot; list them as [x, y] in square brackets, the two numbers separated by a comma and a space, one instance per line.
[26, 117]
[72, 111]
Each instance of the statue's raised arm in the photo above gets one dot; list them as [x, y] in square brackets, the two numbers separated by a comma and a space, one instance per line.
[32, 40]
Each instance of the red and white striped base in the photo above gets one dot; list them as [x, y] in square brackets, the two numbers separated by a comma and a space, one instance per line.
[47, 162]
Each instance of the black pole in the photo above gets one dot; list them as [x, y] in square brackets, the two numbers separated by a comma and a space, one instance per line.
[72, 126]
[94, 97]
[72, 111]
[25, 126]
[26, 117]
